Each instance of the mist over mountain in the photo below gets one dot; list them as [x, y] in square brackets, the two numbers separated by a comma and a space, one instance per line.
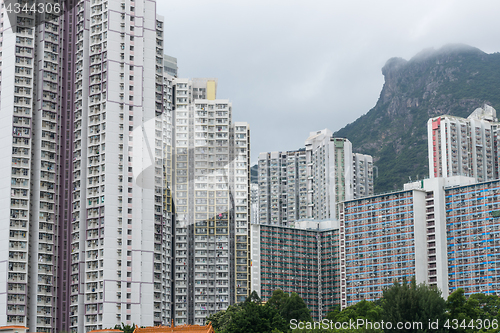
[454, 80]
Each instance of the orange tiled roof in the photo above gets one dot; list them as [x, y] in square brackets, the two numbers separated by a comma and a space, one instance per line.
[182, 328]
[12, 327]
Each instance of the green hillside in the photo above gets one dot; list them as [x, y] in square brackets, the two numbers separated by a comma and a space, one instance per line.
[455, 80]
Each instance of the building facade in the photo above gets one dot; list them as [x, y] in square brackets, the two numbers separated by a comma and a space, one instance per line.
[442, 231]
[414, 233]
[383, 239]
[473, 230]
[212, 203]
[330, 172]
[87, 116]
[467, 147]
[312, 181]
[33, 197]
[362, 170]
[254, 202]
[118, 272]
[282, 191]
[301, 258]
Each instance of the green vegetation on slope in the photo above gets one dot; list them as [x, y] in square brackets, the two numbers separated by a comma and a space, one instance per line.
[454, 80]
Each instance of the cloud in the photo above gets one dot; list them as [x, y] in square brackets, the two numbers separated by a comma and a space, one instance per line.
[292, 67]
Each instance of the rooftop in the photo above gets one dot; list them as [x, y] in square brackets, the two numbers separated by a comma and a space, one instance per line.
[183, 328]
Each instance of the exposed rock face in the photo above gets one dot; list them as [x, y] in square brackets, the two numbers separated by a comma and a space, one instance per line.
[455, 80]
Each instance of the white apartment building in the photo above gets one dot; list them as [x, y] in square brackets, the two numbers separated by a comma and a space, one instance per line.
[254, 197]
[34, 192]
[335, 174]
[170, 65]
[118, 168]
[310, 182]
[83, 122]
[331, 176]
[102, 145]
[212, 203]
[282, 187]
[362, 171]
[466, 147]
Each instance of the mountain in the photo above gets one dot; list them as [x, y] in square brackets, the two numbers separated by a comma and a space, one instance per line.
[454, 80]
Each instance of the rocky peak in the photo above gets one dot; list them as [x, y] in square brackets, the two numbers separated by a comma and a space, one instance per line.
[455, 80]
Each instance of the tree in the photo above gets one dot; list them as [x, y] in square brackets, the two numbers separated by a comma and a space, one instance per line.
[409, 302]
[255, 318]
[220, 320]
[254, 297]
[362, 310]
[290, 307]
[459, 308]
[278, 299]
[477, 306]
[125, 328]
[250, 316]
[488, 305]
[295, 308]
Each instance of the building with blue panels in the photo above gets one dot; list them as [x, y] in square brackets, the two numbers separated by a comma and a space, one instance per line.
[473, 237]
[381, 238]
[387, 237]
[445, 232]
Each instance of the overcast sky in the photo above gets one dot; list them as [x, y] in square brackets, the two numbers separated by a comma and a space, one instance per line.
[292, 67]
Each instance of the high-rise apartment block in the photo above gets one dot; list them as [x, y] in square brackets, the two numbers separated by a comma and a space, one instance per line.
[441, 231]
[302, 258]
[98, 151]
[212, 203]
[467, 147]
[282, 192]
[170, 65]
[362, 170]
[311, 182]
[384, 237]
[473, 238]
[86, 242]
[254, 202]
[445, 232]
